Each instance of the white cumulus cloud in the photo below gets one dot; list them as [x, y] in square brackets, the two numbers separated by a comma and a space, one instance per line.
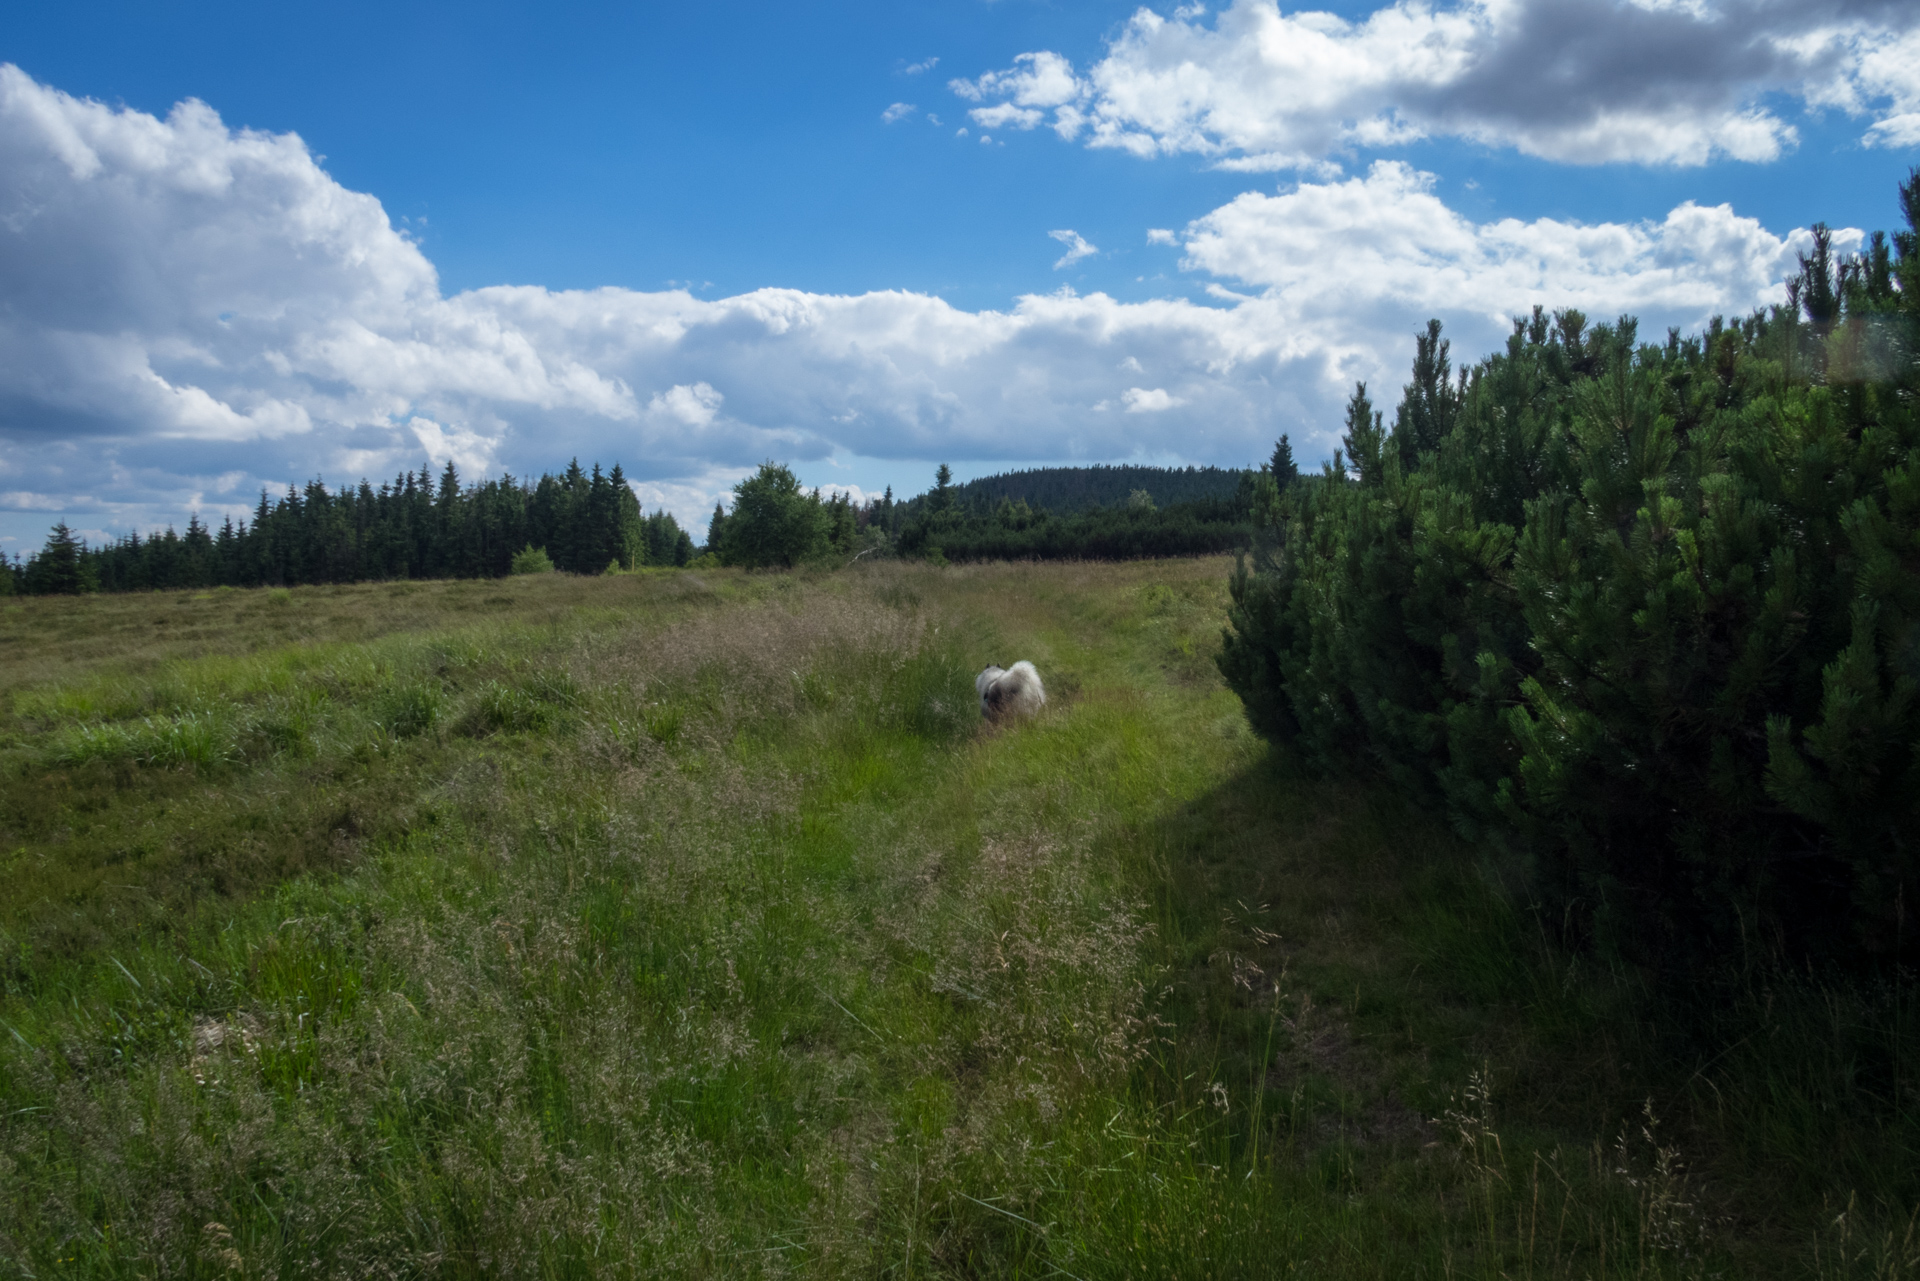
[1035, 83]
[1887, 77]
[897, 112]
[193, 312]
[1578, 81]
[1385, 243]
[1035, 80]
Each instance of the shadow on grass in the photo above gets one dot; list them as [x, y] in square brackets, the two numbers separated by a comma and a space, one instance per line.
[1384, 1010]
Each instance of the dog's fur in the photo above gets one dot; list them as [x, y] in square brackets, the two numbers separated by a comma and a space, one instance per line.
[1014, 690]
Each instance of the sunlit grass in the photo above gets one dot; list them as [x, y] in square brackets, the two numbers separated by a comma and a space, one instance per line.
[648, 926]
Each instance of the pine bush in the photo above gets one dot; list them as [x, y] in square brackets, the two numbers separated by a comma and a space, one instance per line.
[1644, 617]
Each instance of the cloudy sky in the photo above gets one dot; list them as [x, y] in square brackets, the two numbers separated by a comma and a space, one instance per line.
[244, 245]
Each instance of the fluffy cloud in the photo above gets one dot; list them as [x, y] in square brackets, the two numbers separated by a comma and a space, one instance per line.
[1385, 245]
[193, 312]
[1035, 81]
[1580, 81]
[1888, 73]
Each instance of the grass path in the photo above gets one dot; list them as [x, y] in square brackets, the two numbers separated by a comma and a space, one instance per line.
[684, 925]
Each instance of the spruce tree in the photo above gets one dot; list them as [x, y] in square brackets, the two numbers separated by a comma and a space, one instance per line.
[1283, 469]
[629, 524]
[840, 524]
[444, 557]
[56, 570]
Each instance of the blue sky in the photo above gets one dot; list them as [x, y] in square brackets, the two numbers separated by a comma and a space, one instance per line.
[587, 145]
[853, 284]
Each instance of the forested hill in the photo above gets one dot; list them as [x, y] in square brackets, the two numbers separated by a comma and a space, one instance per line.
[1066, 490]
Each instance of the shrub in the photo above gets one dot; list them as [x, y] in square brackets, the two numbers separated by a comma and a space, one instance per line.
[531, 560]
[1647, 616]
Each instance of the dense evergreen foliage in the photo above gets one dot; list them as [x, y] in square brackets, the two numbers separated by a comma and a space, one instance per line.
[1645, 615]
[415, 527]
[1067, 490]
[1074, 513]
[775, 523]
[409, 528]
[1013, 530]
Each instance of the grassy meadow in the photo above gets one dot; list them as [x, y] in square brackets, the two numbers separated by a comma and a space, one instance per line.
[693, 924]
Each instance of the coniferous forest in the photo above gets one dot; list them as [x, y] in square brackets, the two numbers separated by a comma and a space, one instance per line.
[775, 522]
[1013, 530]
[1067, 491]
[411, 527]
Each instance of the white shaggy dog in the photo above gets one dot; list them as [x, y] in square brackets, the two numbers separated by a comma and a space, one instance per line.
[1016, 689]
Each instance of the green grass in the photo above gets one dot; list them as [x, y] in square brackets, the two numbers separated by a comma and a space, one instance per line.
[695, 925]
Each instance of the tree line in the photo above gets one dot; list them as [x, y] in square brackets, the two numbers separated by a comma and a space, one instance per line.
[410, 527]
[585, 522]
[946, 527]
[1642, 618]
[1066, 491]
[776, 522]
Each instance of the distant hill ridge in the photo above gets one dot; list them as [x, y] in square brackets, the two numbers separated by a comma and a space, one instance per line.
[1065, 490]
